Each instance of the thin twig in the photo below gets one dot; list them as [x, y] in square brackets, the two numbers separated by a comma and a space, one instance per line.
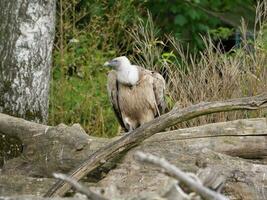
[80, 188]
[181, 176]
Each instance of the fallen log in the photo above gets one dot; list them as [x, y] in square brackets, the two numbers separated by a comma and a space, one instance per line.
[173, 171]
[138, 135]
[47, 149]
[80, 188]
[244, 179]
[184, 147]
[240, 138]
[62, 148]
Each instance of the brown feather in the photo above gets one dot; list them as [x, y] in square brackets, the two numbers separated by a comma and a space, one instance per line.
[136, 105]
[112, 87]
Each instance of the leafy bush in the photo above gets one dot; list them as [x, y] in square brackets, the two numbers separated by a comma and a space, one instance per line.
[187, 20]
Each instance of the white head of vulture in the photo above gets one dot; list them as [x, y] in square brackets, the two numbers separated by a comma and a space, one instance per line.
[137, 94]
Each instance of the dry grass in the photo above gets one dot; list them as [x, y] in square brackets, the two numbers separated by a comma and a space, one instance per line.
[213, 75]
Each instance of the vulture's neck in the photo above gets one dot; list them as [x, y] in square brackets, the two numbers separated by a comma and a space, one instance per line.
[128, 75]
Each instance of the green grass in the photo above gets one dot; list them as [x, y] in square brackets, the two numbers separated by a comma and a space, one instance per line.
[83, 99]
[88, 33]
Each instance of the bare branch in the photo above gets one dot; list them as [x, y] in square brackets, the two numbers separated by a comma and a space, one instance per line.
[181, 176]
[80, 188]
[138, 135]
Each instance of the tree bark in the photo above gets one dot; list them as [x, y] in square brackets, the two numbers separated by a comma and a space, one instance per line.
[26, 41]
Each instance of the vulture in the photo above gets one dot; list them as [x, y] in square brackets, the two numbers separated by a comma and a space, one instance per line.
[136, 94]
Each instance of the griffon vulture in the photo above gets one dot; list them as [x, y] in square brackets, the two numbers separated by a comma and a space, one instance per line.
[137, 94]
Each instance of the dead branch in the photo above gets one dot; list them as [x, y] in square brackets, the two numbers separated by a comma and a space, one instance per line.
[80, 188]
[181, 176]
[138, 135]
[23, 129]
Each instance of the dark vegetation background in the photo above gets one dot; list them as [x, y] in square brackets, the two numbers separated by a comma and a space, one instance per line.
[196, 44]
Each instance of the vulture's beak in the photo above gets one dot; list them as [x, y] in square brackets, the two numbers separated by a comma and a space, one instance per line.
[107, 64]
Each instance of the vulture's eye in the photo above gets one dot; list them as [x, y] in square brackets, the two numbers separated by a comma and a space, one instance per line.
[114, 62]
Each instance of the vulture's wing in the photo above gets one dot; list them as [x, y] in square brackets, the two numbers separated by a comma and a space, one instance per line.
[159, 90]
[113, 95]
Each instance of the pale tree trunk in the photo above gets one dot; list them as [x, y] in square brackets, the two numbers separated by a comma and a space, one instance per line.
[27, 29]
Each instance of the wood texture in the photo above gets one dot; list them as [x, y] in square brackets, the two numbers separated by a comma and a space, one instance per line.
[63, 148]
[138, 135]
[181, 176]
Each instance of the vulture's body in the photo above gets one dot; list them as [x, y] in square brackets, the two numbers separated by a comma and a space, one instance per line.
[137, 94]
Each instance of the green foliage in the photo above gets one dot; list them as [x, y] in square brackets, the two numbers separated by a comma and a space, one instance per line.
[221, 33]
[88, 34]
[82, 98]
[262, 42]
[187, 20]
